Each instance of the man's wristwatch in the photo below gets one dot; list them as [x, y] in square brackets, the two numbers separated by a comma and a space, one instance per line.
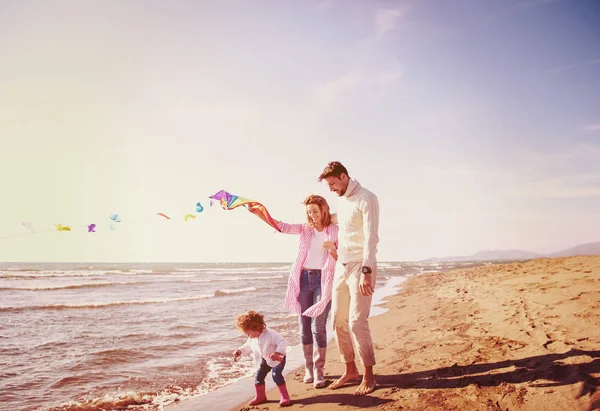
[366, 270]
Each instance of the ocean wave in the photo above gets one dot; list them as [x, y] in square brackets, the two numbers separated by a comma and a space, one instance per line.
[17, 269]
[89, 274]
[70, 286]
[103, 304]
[176, 278]
[8, 273]
[217, 293]
[55, 273]
[231, 279]
[37, 274]
[114, 356]
[220, 293]
[227, 270]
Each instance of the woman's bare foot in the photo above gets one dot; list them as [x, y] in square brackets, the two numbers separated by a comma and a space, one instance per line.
[344, 379]
[367, 386]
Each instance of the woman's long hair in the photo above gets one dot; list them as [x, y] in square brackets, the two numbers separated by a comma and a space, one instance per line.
[323, 206]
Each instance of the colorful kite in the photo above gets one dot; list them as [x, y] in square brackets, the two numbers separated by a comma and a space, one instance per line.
[229, 202]
[164, 215]
[199, 207]
[91, 228]
[61, 227]
[188, 216]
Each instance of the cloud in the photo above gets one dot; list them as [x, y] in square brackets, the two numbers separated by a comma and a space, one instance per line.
[325, 4]
[571, 66]
[457, 170]
[590, 128]
[371, 86]
[386, 20]
[573, 187]
[530, 3]
[565, 172]
[332, 93]
[560, 174]
[391, 76]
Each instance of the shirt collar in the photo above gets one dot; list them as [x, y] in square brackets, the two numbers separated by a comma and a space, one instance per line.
[353, 184]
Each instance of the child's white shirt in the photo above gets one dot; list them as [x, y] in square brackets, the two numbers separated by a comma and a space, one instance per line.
[265, 344]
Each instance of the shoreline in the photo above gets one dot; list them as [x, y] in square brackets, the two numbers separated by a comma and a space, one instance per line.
[236, 393]
[517, 336]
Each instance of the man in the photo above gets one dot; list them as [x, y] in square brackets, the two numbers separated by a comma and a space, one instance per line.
[355, 274]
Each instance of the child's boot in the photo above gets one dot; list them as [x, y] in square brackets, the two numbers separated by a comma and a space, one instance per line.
[260, 395]
[285, 397]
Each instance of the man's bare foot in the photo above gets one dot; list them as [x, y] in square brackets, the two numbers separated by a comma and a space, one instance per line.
[344, 379]
[366, 386]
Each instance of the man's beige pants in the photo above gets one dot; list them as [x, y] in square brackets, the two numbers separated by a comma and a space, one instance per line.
[350, 313]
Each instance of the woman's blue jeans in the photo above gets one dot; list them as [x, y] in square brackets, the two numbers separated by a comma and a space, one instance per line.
[310, 293]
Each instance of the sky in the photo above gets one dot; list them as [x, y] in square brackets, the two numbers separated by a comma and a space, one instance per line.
[476, 123]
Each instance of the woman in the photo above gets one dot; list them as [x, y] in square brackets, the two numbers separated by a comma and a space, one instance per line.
[311, 281]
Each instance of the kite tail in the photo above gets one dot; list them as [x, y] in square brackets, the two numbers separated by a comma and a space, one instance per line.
[263, 214]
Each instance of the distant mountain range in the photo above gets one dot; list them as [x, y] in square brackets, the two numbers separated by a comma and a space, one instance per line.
[502, 255]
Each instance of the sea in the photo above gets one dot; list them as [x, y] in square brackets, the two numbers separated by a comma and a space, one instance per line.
[139, 336]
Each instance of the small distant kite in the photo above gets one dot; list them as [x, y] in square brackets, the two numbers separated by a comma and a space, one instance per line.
[91, 228]
[199, 207]
[229, 202]
[116, 218]
[27, 225]
[164, 215]
[188, 216]
[61, 227]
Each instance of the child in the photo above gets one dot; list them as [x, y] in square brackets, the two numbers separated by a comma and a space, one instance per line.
[268, 348]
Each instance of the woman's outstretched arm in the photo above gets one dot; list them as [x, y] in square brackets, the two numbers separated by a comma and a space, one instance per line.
[290, 228]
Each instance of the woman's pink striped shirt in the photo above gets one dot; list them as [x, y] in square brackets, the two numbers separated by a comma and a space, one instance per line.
[293, 291]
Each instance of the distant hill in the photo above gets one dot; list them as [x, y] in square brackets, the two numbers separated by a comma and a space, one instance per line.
[581, 249]
[512, 255]
[504, 255]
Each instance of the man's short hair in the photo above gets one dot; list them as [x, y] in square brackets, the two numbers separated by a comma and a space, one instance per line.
[333, 169]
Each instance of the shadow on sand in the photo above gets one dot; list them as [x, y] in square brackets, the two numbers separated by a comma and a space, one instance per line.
[546, 367]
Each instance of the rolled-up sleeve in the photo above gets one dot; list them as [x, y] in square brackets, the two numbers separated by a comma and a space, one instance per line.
[370, 215]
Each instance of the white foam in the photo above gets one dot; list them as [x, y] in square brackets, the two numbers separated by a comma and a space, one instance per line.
[105, 304]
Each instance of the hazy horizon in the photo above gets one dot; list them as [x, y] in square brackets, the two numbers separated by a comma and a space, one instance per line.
[477, 124]
[287, 262]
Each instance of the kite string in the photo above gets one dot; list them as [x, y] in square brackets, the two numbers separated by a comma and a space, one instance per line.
[24, 234]
[134, 221]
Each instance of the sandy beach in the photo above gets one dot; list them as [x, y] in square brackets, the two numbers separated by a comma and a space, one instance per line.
[518, 336]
